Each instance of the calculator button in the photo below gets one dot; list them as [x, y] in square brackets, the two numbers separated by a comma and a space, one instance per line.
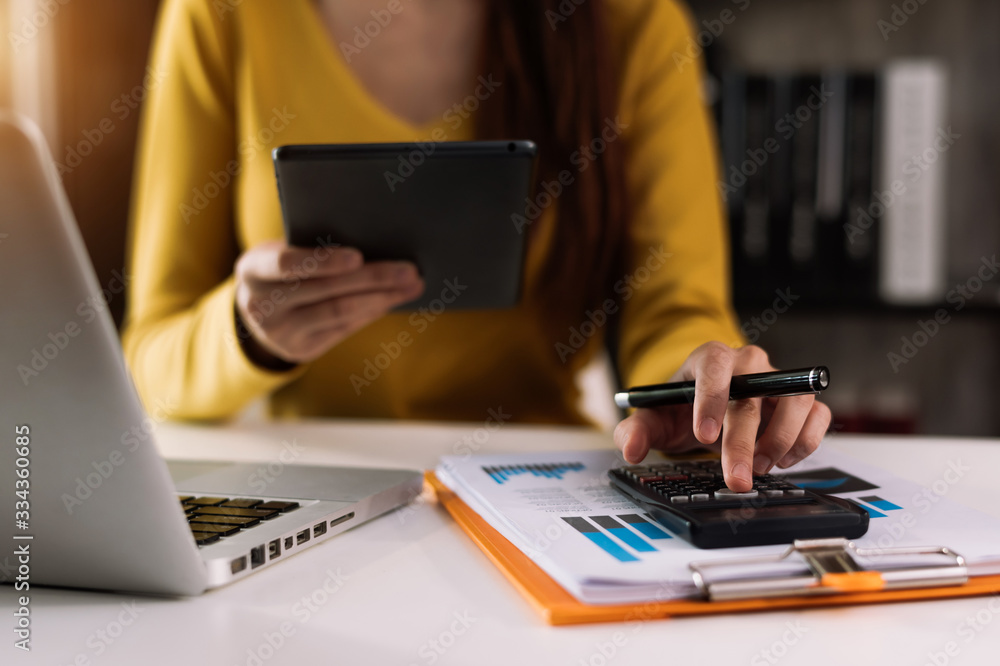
[699, 497]
[679, 499]
[795, 492]
[726, 493]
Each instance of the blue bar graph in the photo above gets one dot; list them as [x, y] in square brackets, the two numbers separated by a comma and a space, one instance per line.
[885, 505]
[646, 528]
[600, 539]
[503, 473]
[872, 513]
[624, 534]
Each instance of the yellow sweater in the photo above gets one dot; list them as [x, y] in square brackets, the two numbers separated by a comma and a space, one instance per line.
[238, 79]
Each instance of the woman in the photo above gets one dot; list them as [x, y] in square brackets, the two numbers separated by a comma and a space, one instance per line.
[223, 312]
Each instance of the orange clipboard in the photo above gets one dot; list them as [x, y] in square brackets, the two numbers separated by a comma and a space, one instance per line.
[559, 607]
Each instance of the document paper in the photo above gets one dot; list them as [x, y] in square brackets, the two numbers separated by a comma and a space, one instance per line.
[560, 510]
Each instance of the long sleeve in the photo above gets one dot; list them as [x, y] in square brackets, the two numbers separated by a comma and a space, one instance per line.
[233, 80]
[676, 295]
[180, 337]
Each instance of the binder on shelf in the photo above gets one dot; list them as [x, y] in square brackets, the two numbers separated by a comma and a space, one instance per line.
[834, 577]
[861, 224]
[830, 268]
[915, 141]
[784, 117]
[755, 236]
[834, 183]
[802, 241]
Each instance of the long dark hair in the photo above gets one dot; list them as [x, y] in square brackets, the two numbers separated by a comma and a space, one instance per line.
[560, 89]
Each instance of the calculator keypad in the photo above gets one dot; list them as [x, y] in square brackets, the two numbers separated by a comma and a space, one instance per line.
[701, 481]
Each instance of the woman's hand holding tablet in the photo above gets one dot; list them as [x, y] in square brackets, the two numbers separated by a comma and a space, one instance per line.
[297, 303]
[294, 303]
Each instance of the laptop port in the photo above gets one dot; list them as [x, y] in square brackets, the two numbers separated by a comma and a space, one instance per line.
[342, 519]
[257, 556]
[274, 549]
[319, 528]
[302, 537]
[288, 543]
[238, 565]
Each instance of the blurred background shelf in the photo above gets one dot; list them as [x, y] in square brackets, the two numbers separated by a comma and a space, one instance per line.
[84, 56]
[949, 385]
[873, 310]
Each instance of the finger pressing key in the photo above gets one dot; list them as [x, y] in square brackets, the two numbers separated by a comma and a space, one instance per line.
[713, 372]
[739, 434]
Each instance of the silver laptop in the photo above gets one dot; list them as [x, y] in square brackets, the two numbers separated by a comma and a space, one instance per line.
[86, 503]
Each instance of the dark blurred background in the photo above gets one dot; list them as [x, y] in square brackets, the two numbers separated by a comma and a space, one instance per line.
[78, 67]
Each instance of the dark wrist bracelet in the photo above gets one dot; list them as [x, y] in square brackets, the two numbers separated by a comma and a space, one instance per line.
[253, 350]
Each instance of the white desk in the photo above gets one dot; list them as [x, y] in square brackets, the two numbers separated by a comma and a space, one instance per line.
[408, 576]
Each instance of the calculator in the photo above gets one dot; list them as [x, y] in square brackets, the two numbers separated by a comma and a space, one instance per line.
[690, 498]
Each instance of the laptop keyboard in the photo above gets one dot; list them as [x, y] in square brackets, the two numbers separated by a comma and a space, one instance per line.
[212, 518]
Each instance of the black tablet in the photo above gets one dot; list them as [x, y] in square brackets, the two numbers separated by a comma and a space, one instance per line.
[446, 206]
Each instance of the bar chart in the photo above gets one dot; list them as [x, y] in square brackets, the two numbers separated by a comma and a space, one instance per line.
[623, 537]
[503, 473]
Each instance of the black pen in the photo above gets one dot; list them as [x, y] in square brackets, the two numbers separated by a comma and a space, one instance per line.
[778, 384]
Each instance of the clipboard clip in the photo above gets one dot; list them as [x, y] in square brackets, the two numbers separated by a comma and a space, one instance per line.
[827, 566]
